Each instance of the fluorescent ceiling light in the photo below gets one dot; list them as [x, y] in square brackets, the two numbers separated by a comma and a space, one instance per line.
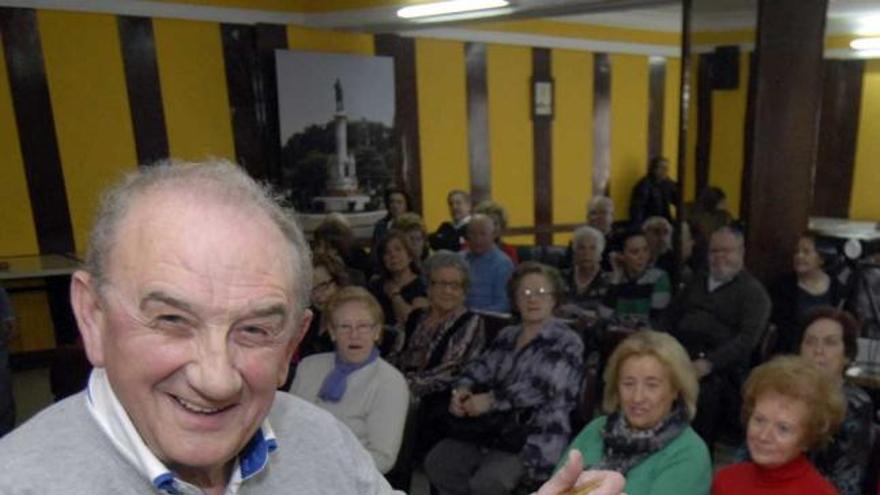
[449, 7]
[865, 44]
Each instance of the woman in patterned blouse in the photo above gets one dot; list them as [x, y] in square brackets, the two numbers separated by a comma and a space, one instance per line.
[531, 372]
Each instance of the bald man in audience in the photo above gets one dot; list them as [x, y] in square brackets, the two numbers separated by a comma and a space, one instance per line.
[490, 268]
[719, 318]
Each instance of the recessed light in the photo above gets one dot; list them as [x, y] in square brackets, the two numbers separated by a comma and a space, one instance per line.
[449, 7]
[865, 44]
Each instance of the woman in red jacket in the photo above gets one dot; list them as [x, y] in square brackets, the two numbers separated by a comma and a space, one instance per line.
[789, 406]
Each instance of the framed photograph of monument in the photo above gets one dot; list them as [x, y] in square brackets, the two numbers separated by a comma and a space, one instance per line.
[336, 117]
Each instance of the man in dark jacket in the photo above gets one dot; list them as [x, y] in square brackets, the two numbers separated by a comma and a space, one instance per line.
[654, 194]
[719, 318]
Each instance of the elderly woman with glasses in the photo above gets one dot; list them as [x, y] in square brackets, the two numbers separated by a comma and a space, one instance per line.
[354, 384]
[651, 396]
[510, 407]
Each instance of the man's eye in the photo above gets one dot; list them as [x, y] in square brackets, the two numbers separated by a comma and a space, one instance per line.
[171, 319]
[253, 330]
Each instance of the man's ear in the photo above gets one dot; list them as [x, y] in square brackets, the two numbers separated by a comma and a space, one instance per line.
[90, 315]
[298, 333]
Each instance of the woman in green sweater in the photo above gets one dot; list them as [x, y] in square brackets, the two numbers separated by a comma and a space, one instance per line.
[651, 395]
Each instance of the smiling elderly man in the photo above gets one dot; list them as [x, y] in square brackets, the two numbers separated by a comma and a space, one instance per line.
[191, 303]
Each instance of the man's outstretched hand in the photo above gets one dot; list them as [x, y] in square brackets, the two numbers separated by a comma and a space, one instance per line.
[572, 478]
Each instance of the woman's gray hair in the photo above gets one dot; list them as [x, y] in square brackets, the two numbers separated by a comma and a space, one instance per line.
[215, 177]
[586, 232]
[448, 259]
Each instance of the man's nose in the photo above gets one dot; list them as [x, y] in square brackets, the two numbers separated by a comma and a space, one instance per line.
[213, 373]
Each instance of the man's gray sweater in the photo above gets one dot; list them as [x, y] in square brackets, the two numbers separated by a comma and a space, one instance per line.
[62, 450]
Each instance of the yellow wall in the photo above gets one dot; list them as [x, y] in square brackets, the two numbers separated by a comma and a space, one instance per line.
[572, 137]
[865, 202]
[728, 137]
[90, 107]
[316, 40]
[19, 233]
[193, 80]
[508, 73]
[629, 127]
[443, 135]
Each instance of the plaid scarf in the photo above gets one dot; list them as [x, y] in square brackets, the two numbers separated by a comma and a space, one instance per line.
[626, 447]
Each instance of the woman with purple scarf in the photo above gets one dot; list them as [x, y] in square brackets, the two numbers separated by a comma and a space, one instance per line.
[354, 384]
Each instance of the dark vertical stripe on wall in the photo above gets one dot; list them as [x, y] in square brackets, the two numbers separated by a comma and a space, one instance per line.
[406, 111]
[601, 124]
[838, 131]
[656, 100]
[748, 139]
[704, 121]
[269, 37]
[542, 132]
[478, 121]
[36, 130]
[144, 91]
[242, 78]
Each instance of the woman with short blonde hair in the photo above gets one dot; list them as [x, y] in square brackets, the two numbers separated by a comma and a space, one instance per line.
[651, 391]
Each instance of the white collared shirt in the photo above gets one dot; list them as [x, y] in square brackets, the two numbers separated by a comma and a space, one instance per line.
[106, 409]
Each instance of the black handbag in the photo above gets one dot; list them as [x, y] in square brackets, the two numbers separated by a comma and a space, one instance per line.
[505, 431]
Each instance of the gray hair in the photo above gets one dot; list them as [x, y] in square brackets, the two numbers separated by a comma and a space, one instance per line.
[597, 201]
[586, 232]
[219, 178]
[448, 259]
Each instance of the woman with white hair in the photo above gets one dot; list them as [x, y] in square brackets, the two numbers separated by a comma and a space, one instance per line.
[587, 283]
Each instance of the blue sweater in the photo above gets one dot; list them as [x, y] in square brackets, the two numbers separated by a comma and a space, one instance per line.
[489, 273]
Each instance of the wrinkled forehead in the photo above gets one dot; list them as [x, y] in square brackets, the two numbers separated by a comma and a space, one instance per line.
[203, 236]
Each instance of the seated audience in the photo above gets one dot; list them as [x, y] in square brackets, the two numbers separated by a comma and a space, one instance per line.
[489, 269]
[658, 232]
[354, 384]
[396, 203]
[328, 276]
[335, 235]
[587, 283]
[398, 286]
[451, 234]
[651, 396]
[414, 229]
[790, 406]
[7, 331]
[719, 318]
[637, 292]
[654, 194]
[795, 294]
[830, 341]
[499, 215]
[440, 340]
[525, 384]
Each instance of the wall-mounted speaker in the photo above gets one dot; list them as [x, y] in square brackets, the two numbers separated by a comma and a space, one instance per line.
[725, 67]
